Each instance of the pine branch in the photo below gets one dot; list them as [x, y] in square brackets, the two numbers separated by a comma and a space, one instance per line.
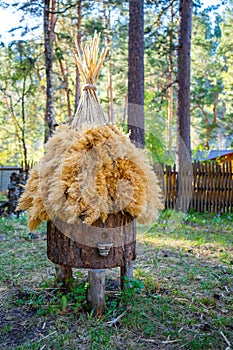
[168, 86]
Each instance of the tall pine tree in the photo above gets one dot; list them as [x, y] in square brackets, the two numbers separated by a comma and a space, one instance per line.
[136, 72]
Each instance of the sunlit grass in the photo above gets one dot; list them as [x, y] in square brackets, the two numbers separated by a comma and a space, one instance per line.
[206, 236]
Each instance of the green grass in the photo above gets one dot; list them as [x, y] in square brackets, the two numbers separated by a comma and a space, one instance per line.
[181, 295]
[3, 195]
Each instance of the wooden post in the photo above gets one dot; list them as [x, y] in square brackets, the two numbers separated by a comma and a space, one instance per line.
[96, 290]
[127, 268]
[63, 274]
[126, 274]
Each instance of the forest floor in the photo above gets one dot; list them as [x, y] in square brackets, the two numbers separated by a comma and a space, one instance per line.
[181, 295]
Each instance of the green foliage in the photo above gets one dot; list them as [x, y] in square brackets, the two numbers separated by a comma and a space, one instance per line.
[48, 300]
[22, 73]
[20, 119]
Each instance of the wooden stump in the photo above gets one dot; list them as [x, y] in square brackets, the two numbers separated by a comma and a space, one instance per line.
[118, 230]
[96, 247]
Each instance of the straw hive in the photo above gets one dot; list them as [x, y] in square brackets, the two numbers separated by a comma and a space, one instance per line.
[90, 169]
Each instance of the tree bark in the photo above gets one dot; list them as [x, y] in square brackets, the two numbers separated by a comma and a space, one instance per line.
[110, 82]
[183, 108]
[136, 73]
[80, 245]
[184, 164]
[78, 38]
[49, 25]
[170, 90]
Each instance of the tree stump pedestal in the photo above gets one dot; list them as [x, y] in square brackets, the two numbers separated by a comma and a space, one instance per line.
[97, 247]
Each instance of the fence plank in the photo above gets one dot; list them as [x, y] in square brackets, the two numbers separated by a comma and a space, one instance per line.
[211, 185]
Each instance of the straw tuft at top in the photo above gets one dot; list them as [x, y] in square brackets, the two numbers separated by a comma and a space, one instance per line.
[89, 62]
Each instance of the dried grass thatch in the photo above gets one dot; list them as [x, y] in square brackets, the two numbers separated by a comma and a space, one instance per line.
[90, 171]
[90, 175]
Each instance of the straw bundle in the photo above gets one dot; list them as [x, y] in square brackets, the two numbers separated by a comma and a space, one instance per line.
[89, 63]
[90, 169]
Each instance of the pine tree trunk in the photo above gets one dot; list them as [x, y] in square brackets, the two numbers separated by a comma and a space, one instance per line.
[183, 108]
[184, 164]
[170, 91]
[110, 82]
[135, 88]
[136, 73]
[78, 38]
[49, 25]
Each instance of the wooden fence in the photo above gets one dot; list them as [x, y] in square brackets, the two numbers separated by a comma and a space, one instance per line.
[205, 187]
